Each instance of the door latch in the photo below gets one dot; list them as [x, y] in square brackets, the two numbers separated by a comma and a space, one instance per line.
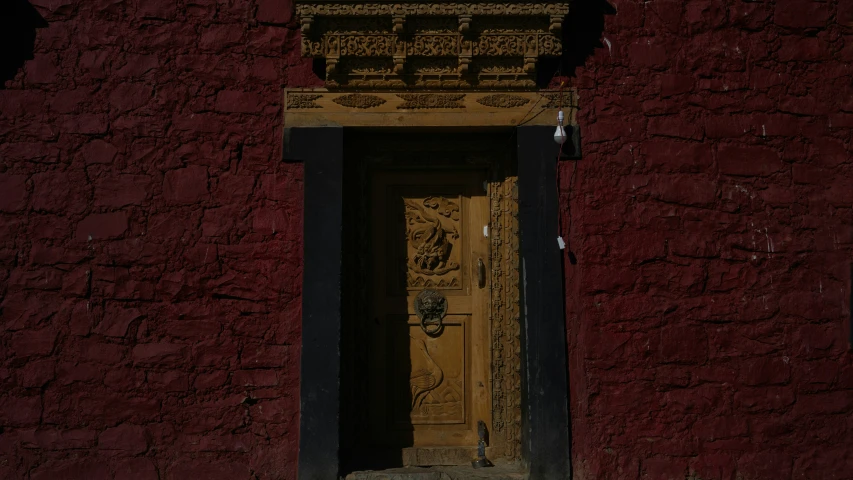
[481, 273]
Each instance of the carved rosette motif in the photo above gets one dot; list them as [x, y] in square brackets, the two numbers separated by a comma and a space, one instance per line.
[356, 100]
[468, 35]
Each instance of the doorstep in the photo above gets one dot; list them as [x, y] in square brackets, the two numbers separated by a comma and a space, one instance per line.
[462, 472]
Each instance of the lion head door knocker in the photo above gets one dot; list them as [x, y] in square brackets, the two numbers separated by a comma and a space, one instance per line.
[431, 307]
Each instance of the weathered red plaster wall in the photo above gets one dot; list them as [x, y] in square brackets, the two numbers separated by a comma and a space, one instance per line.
[711, 219]
[150, 245]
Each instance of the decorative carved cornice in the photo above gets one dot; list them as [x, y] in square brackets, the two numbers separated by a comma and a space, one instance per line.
[389, 45]
[374, 9]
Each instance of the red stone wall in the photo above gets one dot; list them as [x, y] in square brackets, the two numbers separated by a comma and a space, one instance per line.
[150, 243]
[711, 219]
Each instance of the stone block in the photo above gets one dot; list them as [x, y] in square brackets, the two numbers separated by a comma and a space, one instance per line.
[125, 437]
[748, 161]
[102, 226]
[161, 354]
[186, 186]
[13, 192]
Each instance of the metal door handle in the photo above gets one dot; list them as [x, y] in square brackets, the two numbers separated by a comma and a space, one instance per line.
[481, 273]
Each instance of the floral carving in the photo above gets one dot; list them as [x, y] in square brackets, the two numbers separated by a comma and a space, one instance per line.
[503, 100]
[433, 65]
[434, 46]
[550, 45]
[431, 100]
[499, 46]
[503, 45]
[496, 65]
[354, 25]
[418, 281]
[295, 100]
[369, 65]
[367, 45]
[357, 100]
[443, 207]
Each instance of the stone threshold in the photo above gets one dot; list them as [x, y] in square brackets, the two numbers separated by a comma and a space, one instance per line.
[462, 472]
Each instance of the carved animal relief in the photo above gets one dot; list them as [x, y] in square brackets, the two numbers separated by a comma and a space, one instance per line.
[432, 229]
[436, 395]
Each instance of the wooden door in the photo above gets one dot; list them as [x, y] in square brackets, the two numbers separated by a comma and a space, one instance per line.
[430, 375]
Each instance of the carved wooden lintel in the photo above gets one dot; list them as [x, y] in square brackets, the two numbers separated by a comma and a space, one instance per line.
[413, 45]
[426, 108]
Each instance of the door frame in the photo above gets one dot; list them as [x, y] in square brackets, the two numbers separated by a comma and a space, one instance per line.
[487, 154]
[544, 393]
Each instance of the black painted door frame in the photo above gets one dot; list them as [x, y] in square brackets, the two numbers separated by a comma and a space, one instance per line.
[545, 416]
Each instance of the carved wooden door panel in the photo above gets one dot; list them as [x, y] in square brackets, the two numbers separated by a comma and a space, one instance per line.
[430, 374]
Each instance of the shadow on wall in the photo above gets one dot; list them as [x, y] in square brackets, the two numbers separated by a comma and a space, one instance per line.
[582, 30]
[18, 24]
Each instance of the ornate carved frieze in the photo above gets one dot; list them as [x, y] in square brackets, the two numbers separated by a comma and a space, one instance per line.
[468, 36]
[505, 314]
